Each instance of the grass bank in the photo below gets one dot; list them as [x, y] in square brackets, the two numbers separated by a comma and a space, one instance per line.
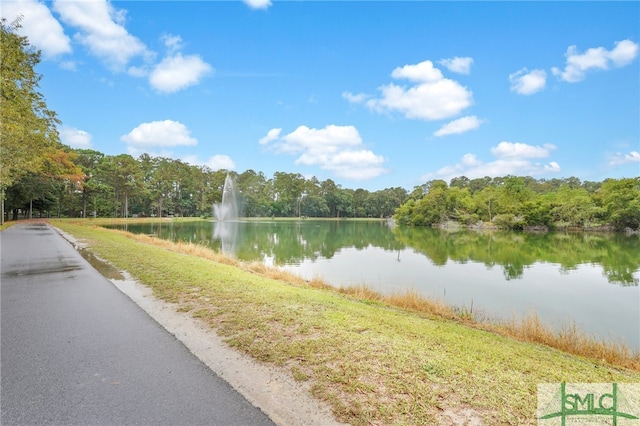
[373, 362]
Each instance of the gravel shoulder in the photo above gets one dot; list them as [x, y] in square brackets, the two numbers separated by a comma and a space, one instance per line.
[274, 391]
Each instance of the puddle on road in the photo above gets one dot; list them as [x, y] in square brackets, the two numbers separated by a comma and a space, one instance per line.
[37, 227]
[45, 268]
[42, 227]
[104, 268]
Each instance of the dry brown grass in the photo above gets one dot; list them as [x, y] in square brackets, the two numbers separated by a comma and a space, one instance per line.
[529, 328]
[273, 273]
[569, 338]
[183, 247]
[414, 301]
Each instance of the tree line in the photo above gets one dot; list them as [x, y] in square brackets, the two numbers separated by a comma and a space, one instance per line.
[39, 175]
[123, 186]
[515, 202]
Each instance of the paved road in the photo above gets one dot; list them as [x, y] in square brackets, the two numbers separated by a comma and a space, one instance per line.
[75, 350]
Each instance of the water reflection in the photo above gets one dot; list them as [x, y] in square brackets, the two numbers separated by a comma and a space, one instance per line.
[294, 242]
[290, 244]
[618, 255]
[562, 276]
[227, 233]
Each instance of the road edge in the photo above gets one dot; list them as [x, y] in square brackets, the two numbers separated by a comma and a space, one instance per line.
[271, 389]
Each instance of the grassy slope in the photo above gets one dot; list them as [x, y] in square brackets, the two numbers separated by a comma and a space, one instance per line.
[374, 364]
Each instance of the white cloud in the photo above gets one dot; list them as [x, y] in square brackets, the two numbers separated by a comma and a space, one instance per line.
[433, 97]
[75, 138]
[338, 149]
[216, 162]
[68, 65]
[101, 31]
[511, 159]
[355, 99]
[135, 152]
[173, 43]
[461, 125]
[258, 4]
[177, 72]
[525, 82]
[142, 71]
[624, 53]
[422, 72]
[521, 150]
[458, 64]
[470, 160]
[219, 162]
[619, 158]
[165, 133]
[328, 139]
[272, 135]
[39, 25]
[552, 167]
[578, 64]
[356, 165]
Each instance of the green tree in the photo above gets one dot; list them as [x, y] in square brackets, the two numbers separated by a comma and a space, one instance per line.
[123, 176]
[32, 192]
[287, 193]
[28, 127]
[478, 184]
[431, 208]
[404, 214]
[52, 186]
[331, 194]
[621, 201]
[512, 194]
[184, 186]
[89, 161]
[486, 204]
[569, 207]
[159, 179]
[253, 188]
[359, 198]
[460, 182]
[460, 206]
[314, 206]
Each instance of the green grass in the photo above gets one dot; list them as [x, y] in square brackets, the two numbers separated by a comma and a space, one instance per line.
[372, 362]
[7, 224]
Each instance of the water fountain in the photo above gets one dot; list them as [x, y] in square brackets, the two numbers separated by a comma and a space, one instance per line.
[228, 208]
[226, 214]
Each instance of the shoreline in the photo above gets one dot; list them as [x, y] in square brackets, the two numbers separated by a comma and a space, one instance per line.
[448, 226]
[481, 226]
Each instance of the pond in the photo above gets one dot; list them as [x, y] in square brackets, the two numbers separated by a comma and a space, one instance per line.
[592, 279]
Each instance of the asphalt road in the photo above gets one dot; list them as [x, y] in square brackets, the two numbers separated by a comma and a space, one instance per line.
[75, 350]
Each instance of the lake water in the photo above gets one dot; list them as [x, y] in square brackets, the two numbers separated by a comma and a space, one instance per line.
[592, 279]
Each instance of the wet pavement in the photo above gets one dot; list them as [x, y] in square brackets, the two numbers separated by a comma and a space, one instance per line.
[75, 350]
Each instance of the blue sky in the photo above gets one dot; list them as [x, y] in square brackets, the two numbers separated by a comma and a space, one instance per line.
[369, 94]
